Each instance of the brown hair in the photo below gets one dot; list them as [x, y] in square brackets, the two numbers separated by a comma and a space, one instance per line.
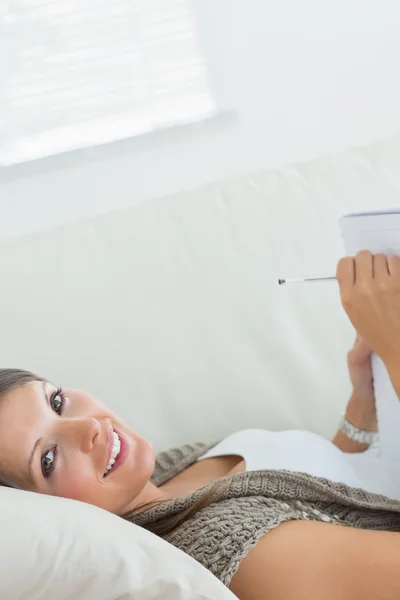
[14, 378]
[164, 526]
[9, 380]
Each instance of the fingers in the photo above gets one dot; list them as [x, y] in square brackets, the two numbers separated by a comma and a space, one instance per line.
[359, 353]
[362, 345]
[381, 266]
[345, 275]
[393, 263]
[345, 272]
[360, 271]
[366, 266]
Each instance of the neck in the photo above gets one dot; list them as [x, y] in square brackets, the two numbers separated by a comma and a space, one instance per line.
[150, 493]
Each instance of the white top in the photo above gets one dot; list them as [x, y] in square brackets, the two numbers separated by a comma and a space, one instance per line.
[307, 452]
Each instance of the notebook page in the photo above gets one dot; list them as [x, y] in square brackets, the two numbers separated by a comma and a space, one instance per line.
[378, 231]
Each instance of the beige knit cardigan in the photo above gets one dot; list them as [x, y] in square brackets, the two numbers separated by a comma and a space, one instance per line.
[221, 535]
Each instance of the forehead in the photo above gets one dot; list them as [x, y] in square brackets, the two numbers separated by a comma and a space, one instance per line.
[22, 411]
[20, 400]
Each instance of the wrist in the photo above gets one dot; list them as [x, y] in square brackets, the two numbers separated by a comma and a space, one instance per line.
[362, 437]
[361, 412]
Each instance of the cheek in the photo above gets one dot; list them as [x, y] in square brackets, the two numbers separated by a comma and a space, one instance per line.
[78, 484]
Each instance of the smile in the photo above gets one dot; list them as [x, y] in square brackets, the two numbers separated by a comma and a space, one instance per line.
[118, 449]
[114, 453]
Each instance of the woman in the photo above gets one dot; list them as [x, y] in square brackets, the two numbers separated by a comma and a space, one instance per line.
[269, 533]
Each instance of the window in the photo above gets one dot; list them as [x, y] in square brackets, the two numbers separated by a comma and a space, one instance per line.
[77, 73]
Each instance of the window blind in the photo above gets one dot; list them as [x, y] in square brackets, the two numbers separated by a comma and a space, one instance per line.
[77, 73]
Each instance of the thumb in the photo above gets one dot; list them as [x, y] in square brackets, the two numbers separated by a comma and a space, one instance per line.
[361, 350]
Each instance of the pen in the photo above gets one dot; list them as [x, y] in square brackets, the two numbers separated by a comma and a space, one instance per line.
[298, 279]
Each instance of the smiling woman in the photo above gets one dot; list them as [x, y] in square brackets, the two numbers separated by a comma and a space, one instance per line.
[216, 502]
[67, 443]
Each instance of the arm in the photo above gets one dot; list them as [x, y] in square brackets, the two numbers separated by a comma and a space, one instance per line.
[304, 560]
[361, 408]
[361, 414]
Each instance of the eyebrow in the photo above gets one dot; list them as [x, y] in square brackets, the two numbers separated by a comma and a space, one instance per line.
[37, 443]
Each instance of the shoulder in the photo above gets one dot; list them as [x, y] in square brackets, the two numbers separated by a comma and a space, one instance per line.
[321, 561]
[169, 463]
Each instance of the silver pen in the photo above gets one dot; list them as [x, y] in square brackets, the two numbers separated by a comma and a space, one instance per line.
[298, 279]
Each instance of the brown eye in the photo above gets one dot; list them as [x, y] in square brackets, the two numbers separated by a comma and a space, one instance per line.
[48, 462]
[57, 401]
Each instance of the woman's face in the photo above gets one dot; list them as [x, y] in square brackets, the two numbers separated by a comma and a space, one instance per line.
[60, 443]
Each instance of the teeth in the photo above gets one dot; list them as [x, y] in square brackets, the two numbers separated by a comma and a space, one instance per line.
[114, 453]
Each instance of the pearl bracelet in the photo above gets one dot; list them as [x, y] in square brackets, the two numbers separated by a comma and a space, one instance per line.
[362, 436]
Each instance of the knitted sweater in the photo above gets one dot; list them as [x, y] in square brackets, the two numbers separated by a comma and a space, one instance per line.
[221, 535]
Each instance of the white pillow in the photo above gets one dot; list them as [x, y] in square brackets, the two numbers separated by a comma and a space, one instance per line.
[60, 549]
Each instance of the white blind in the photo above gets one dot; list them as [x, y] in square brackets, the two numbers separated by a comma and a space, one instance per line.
[77, 73]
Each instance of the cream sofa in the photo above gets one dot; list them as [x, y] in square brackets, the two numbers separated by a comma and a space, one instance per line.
[171, 313]
[170, 310]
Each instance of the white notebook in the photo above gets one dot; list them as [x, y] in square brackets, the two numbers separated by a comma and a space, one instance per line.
[378, 231]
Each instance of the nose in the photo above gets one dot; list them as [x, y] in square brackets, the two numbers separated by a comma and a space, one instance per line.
[82, 431]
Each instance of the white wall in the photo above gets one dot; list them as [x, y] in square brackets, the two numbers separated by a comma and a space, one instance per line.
[293, 80]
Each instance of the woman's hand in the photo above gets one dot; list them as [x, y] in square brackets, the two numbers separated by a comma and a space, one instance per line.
[370, 295]
[361, 408]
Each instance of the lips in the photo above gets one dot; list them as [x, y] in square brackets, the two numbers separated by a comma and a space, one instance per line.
[109, 445]
[123, 452]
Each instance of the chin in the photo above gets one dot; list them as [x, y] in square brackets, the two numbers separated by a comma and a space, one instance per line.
[145, 457]
[150, 457]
